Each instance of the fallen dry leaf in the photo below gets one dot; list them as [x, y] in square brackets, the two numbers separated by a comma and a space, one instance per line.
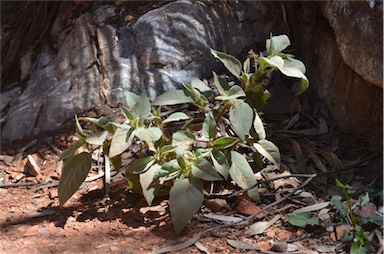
[260, 226]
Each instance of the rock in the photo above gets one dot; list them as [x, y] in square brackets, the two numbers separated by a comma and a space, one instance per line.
[358, 29]
[97, 56]
[216, 205]
[53, 193]
[32, 168]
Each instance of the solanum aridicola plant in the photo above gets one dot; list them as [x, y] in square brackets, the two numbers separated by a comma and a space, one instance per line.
[175, 157]
[254, 73]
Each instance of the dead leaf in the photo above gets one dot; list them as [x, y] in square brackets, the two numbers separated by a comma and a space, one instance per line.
[241, 245]
[201, 247]
[310, 208]
[326, 219]
[260, 226]
[225, 218]
[179, 246]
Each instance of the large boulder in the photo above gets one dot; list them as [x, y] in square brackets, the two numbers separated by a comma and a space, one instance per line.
[103, 50]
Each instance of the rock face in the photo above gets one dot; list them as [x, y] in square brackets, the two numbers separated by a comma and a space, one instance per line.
[343, 53]
[94, 52]
[100, 52]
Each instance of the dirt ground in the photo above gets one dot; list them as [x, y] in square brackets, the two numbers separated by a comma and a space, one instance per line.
[31, 220]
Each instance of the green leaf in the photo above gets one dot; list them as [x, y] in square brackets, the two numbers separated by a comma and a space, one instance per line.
[209, 126]
[200, 85]
[142, 108]
[128, 115]
[185, 199]
[149, 136]
[149, 184]
[302, 219]
[241, 118]
[116, 162]
[168, 167]
[121, 140]
[140, 165]
[74, 172]
[131, 99]
[95, 139]
[277, 44]
[204, 170]
[242, 173]
[178, 116]
[230, 62]
[336, 201]
[225, 142]
[166, 149]
[259, 127]
[101, 122]
[172, 98]
[220, 162]
[361, 244]
[71, 150]
[269, 151]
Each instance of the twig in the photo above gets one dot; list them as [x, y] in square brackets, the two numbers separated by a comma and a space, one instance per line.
[197, 236]
[235, 193]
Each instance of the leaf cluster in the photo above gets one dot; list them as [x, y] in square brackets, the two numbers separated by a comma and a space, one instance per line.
[186, 138]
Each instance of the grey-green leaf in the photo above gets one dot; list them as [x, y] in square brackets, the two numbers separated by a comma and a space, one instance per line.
[231, 63]
[79, 129]
[95, 139]
[205, 171]
[259, 127]
[172, 98]
[182, 140]
[225, 142]
[121, 140]
[221, 83]
[185, 199]
[242, 173]
[74, 172]
[233, 93]
[247, 65]
[220, 162]
[149, 184]
[142, 109]
[178, 116]
[200, 85]
[277, 44]
[131, 98]
[241, 118]
[269, 151]
[149, 136]
[209, 126]
[140, 165]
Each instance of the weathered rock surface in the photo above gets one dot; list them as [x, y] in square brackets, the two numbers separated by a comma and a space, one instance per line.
[98, 54]
[358, 27]
[343, 55]
[90, 56]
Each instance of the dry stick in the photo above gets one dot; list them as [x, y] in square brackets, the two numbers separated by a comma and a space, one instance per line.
[197, 236]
